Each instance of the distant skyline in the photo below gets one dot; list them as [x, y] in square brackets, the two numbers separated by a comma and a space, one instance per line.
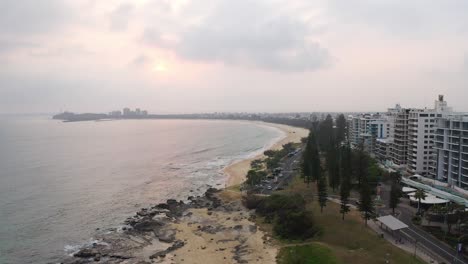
[182, 56]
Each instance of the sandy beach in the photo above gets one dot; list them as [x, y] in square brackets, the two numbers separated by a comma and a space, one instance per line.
[237, 171]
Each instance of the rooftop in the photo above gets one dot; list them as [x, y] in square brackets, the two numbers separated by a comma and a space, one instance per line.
[391, 222]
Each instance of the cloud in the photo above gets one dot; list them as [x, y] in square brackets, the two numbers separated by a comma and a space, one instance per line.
[404, 18]
[9, 45]
[119, 18]
[247, 33]
[140, 60]
[24, 17]
[465, 61]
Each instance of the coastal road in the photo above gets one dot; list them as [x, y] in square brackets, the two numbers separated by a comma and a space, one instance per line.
[288, 166]
[415, 232]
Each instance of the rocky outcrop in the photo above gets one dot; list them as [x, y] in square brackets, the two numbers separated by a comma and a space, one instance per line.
[143, 229]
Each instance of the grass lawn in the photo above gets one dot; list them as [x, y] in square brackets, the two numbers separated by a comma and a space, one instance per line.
[313, 253]
[350, 241]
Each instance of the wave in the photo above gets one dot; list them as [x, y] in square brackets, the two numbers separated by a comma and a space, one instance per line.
[72, 249]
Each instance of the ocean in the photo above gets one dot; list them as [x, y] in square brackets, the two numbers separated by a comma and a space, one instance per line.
[62, 183]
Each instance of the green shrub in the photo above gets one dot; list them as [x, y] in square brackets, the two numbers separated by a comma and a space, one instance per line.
[295, 225]
[252, 201]
[280, 203]
[287, 212]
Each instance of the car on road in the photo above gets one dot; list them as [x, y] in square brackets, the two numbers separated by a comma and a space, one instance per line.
[269, 188]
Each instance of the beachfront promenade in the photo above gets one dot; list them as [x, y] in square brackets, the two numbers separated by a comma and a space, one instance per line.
[414, 233]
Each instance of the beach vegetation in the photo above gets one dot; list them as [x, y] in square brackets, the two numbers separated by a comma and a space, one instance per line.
[256, 164]
[255, 177]
[287, 213]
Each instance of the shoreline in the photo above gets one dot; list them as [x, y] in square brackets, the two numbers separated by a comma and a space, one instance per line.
[236, 172]
[212, 228]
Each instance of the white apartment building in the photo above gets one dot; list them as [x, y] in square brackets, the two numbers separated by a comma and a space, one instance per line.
[450, 159]
[421, 129]
[421, 132]
[384, 144]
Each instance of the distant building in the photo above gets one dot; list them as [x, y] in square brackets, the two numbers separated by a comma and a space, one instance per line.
[144, 113]
[115, 113]
[137, 111]
[126, 111]
[365, 129]
[401, 138]
[399, 148]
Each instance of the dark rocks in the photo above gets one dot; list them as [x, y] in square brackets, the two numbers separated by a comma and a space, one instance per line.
[148, 224]
[86, 253]
[167, 236]
[162, 206]
[210, 229]
[178, 244]
[118, 256]
[138, 231]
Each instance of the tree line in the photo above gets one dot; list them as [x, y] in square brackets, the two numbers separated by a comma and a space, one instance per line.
[330, 162]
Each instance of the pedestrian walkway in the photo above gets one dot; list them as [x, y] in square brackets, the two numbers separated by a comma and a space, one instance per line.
[406, 244]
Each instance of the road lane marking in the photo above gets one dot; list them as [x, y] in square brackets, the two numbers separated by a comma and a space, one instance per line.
[450, 254]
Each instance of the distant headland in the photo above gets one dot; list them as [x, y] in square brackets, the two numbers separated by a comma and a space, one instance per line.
[303, 120]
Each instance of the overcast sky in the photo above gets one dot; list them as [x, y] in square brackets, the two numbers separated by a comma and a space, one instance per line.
[180, 56]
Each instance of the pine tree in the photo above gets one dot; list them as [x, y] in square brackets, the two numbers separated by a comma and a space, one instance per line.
[315, 168]
[325, 131]
[322, 192]
[395, 194]
[344, 196]
[341, 128]
[333, 165]
[366, 204]
[345, 187]
[306, 159]
[361, 165]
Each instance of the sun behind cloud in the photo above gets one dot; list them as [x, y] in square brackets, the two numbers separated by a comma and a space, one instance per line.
[160, 67]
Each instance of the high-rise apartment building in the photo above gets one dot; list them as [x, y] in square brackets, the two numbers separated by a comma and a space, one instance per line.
[449, 164]
[421, 129]
[399, 149]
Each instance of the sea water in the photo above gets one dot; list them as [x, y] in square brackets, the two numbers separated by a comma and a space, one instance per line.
[60, 183]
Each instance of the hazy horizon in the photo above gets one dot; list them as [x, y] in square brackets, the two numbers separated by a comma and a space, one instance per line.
[183, 56]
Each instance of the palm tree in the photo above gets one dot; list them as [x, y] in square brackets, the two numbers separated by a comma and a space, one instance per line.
[420, 195]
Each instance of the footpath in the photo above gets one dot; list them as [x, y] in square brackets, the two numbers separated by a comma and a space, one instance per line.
[404, 244]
